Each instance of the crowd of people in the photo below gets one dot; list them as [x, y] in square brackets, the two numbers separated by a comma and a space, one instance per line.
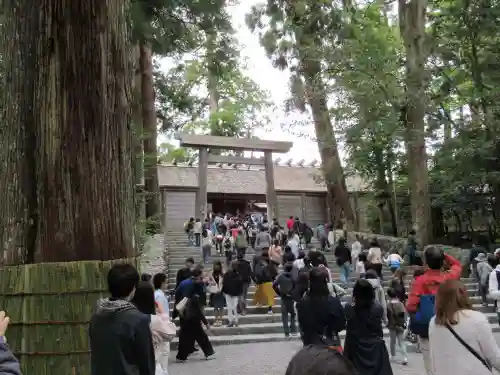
[312, 304]
[131, 331]
[232, 235]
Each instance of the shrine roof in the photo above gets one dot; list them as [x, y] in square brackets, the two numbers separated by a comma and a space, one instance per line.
[251, 180]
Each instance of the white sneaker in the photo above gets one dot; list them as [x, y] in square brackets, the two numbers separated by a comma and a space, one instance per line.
[404, 362]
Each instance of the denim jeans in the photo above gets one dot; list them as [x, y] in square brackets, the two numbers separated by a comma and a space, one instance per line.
[197, 237]
[345, 272]
[191, 237]
[206, 252]
[288, 311]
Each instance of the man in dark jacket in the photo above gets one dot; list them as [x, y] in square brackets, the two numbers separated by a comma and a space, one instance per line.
[9, 365]
[245, 271]
[185, 273]
[120, 336]
[343, 258]
[284, 286]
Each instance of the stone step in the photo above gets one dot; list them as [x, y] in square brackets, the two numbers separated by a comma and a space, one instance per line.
[218, 340]
[172, 272]
[252, 309]
[257, 325]
[264, 317]
[470, 287]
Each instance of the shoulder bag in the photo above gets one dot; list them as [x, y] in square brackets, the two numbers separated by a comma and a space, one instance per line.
[469, 348]
[181, 306]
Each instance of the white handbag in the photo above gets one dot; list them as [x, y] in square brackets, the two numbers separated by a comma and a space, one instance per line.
[181, 306]
[211, 289]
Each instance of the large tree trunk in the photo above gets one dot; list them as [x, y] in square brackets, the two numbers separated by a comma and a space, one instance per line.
[138, 162]
[412, 19]
[150, 129]
[213, 87]
[392, 204]
[327, 144]
[67, 189]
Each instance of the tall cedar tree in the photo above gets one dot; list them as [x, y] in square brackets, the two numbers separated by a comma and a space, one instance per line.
[67, 190]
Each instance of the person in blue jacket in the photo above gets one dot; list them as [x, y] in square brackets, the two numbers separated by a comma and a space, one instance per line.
[9, 365]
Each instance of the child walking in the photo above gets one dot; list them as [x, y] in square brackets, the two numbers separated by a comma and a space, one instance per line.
[396, 315]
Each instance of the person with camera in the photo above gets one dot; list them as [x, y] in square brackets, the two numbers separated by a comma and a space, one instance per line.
[9, 365]
[421, 298]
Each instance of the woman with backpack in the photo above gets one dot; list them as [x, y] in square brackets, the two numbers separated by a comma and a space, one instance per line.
[320, 315]
[264, 273]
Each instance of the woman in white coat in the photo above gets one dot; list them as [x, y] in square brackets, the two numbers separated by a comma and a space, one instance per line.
[460, 339]
[162, 329]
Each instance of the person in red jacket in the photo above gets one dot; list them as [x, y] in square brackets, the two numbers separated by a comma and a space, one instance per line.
[428, 283]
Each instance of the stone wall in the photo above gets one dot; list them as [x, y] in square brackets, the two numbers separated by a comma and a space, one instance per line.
[388, 243]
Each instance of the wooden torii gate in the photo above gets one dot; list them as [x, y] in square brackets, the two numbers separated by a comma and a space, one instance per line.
[205, 142]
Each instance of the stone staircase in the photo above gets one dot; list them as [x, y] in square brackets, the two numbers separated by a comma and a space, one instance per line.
[257, 325]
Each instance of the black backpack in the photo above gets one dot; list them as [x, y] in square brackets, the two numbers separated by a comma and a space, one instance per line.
[260, 271]
[286, 285]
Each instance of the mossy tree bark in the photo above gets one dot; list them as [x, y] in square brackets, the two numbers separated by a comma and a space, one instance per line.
[150, 129]
[67, 190]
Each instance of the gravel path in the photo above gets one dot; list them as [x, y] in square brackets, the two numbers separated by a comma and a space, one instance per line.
[261, 358]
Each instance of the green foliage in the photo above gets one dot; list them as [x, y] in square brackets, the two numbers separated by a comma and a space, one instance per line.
[363, 66]
[169, 153]
[198, 38]
[173, 27]
[242, 104]
[293, 31]
[366, 78]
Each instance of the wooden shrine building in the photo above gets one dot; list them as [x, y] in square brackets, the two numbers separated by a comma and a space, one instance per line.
[239, 184]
